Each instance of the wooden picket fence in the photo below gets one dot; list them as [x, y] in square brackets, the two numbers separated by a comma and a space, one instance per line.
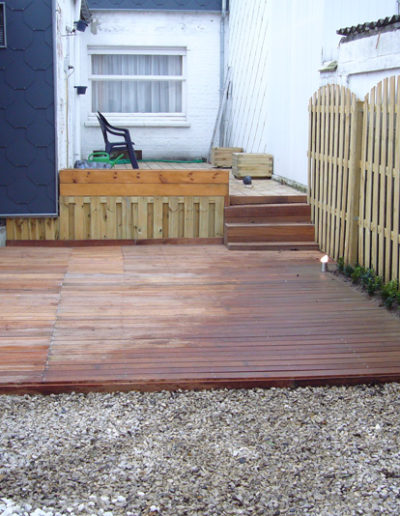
[354, 181]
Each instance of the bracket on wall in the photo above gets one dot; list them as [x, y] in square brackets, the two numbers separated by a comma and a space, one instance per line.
[3, 31]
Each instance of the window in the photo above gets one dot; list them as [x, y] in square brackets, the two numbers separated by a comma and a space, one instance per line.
[138, 82]
[3, 40]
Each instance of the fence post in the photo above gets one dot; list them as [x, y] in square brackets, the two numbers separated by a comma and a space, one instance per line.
[353, 193]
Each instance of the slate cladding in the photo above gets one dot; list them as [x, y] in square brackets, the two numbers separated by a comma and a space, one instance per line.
[28, 175]
[158, 5]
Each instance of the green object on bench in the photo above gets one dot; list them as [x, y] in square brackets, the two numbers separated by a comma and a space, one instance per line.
[104, 157]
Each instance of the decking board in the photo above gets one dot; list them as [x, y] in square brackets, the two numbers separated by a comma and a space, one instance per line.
[168, 317]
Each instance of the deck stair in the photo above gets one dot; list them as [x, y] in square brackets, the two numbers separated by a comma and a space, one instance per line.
[269, 223]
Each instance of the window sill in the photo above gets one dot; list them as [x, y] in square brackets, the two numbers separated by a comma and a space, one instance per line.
[124, 122]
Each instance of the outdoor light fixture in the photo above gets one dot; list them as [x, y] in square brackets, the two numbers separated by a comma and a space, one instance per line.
[80, 25]
[81, 90]
[324, 263]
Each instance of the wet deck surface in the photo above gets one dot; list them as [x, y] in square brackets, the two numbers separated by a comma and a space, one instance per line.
[155, 317]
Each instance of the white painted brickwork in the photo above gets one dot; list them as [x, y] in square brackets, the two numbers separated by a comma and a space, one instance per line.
[199, 34]
[276, 48]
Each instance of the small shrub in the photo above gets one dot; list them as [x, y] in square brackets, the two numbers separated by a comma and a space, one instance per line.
[340, 264]
[373, 285]
[357, 273]
[390, 293]
[348, 270]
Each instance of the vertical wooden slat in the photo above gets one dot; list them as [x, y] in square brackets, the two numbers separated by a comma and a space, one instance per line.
[203, 222]
[395, 259]
[189, 218]
[353, 199]
[150, 217]
[375, 171]
[134, 210]
[382, 168]
[142, 218]
[219, 217]
[389, 191]
[181, 217]
[158, 217]
[345, 167]
[369, 178]
[363, 184]
[79, 228]
[173, 223]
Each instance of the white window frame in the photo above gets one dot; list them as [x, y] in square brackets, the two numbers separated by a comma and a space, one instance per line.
[139, 119]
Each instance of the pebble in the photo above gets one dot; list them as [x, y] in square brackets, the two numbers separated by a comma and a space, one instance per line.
[306, 451]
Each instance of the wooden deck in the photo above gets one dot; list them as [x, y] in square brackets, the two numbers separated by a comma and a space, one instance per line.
[155, 317]
[259, 187]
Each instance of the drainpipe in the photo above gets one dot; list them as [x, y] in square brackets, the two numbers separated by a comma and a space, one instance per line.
[222, 65]
[77, 108]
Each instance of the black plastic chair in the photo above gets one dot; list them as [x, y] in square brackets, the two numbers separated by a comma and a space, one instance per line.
[126, 145]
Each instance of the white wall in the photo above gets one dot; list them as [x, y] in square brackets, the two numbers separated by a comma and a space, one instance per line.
[65, 16]
[276, 48]
[199, 34]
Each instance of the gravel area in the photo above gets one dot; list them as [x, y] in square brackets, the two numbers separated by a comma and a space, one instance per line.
[307, 451]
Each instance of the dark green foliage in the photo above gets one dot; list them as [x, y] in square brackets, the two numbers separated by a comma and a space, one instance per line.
[357, 273]
[390, 293]
[374, 285]
[348, 270]
[371, 282]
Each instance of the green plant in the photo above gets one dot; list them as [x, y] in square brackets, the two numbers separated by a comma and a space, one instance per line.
[348, 270]
[374, 284]
[390, 293]
[340, 264]
[357, 274]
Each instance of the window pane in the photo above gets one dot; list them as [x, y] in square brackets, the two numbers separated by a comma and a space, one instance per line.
[137, 96]
[116, 64]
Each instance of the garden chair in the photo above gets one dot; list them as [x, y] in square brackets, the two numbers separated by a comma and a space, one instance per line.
[108, 129]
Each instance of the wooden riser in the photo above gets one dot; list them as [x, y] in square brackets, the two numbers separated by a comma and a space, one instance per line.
[235, 232]
[268, 213]
[272, 246]
[236, 200]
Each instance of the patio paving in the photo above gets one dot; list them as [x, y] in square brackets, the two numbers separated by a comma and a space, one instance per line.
[167, 317]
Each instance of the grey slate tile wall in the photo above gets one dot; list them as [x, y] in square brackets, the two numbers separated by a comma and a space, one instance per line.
[159, 5]
[28, 175]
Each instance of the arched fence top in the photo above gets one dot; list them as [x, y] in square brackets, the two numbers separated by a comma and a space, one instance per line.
[354, 174]
[333, 95]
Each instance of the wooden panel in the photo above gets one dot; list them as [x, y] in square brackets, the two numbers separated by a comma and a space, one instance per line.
[222, 156]
[254, 165]
[331, 110]
[154, 177]
[132, 218]
[379, 230]
[354, 163]
[142, 190]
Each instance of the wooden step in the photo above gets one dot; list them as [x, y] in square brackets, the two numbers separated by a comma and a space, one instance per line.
[267, 199]
[272, 246]
[252, 213]
[266, 232]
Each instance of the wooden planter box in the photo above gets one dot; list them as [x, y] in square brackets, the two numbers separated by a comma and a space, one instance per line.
[222, 156]
[132, 205]
[254, 165]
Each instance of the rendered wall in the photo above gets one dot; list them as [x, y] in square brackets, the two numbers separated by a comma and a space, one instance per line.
[276, 48]
[365, 61]
[199, 33]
